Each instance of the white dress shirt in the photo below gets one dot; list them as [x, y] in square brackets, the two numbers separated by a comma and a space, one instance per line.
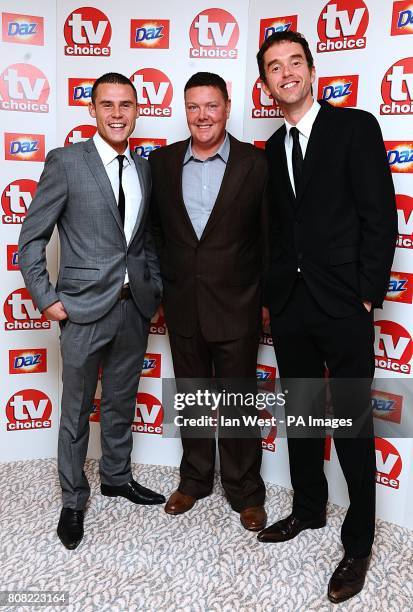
[130, 183]
[304, 126]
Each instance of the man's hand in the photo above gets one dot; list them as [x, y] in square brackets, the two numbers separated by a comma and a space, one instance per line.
[367, 306]
[55, 312]
[265, 315]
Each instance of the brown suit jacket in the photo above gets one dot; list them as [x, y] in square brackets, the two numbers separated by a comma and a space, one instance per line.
[214, 282]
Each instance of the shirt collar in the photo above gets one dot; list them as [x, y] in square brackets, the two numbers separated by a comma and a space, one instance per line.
[106, 152]
[222, 152]
[305, 125]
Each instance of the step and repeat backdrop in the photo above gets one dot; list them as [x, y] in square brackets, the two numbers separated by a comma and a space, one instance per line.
[51, 53]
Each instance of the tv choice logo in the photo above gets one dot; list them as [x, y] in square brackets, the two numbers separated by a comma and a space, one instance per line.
[80, 133]
[399, 156]
[154, 92]
[266, 376]
[149, 34]
[152, 365]
[12, 258]
[268, 432]
[265, 339]
[387, 406]
[214, 34]
[260, 144]
[264, 107]
[87, 31]
[402, 18]
[404, 206]
[24, 88]
[21, 313]
[397, 89]
[144, 146]
[24, 147]
[22, 29]
[400, 287]
[393, 347]
[339, 90]
[342, 26]
[148, 415]
[80, 91]
[28, 409]
[16, 199]
[27, 361]
[276, 24]
[388, 464]
[157, 326]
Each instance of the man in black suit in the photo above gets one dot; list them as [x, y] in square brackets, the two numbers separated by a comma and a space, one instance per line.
[333, 231]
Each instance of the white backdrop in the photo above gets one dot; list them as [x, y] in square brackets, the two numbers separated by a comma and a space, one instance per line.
[50, 54]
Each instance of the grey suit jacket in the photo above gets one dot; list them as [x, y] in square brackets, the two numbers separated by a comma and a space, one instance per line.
[75, 193]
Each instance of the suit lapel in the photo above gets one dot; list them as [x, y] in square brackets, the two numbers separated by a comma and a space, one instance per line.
[234, 176]
[280, 162]
[144, 189]
[176, 162]
[97, 168]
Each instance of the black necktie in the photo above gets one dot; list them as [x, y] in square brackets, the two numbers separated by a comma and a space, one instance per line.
[297, 158]
[121, 199]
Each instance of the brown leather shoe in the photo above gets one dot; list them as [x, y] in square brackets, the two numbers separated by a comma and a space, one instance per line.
[348, 578]
[253, 518]
[288, 528]
[179, 503]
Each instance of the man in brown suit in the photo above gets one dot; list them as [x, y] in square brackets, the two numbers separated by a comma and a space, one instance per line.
[209, 218]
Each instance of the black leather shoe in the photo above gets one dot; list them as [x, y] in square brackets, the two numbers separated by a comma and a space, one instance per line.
[288, 528]
[70, 527]
[133, 491]
[348, 578]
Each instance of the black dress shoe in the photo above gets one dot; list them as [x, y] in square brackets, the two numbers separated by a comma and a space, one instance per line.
[288, 528]
[348, 578]
[70, 527]
[133, 491]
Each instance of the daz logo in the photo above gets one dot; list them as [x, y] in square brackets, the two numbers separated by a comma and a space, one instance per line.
[27, 361]
[80, 91]
[405, 221]
[24, 88]
[23, 29]
[214, 33]
[402, 19]
[154, 91]
[266, 377]
[399, 155]
[144, 146]
[152, 365]
[157, 326]
[149, 415]
[264, 106]
[342, 25]
[149, 34]
[339, 90]
[388, 463]
[276, 24]
[397, 89]
[87, 31]
[387, 406]
[28, 409]
[400, 287]
[393, 347]
[21, 313]
[95, 413]
[80, 133]
[12, 258]
[16, 199]
[24, 147]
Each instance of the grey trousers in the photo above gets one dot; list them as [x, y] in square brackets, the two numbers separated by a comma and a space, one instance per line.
[117, 342]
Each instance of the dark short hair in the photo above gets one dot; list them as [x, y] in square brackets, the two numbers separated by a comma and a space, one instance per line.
[278, 37]
[112, 77]
[207, 79]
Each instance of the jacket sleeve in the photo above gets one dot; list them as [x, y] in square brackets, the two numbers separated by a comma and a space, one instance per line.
[150, 249]
[44, 211]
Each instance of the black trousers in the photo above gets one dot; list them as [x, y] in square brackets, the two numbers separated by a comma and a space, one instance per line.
[240, 458]
[306, 339]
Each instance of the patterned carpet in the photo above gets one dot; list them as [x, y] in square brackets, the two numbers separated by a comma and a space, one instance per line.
[139, 558]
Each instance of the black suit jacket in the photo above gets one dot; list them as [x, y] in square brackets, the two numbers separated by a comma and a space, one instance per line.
[341, 229]
[214, 282]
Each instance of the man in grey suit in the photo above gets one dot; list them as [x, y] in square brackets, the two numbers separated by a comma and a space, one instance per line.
[97, 192]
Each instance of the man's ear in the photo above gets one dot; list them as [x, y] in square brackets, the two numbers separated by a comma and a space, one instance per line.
[92, 110]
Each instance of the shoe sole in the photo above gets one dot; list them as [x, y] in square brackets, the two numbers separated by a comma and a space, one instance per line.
[337, 601]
